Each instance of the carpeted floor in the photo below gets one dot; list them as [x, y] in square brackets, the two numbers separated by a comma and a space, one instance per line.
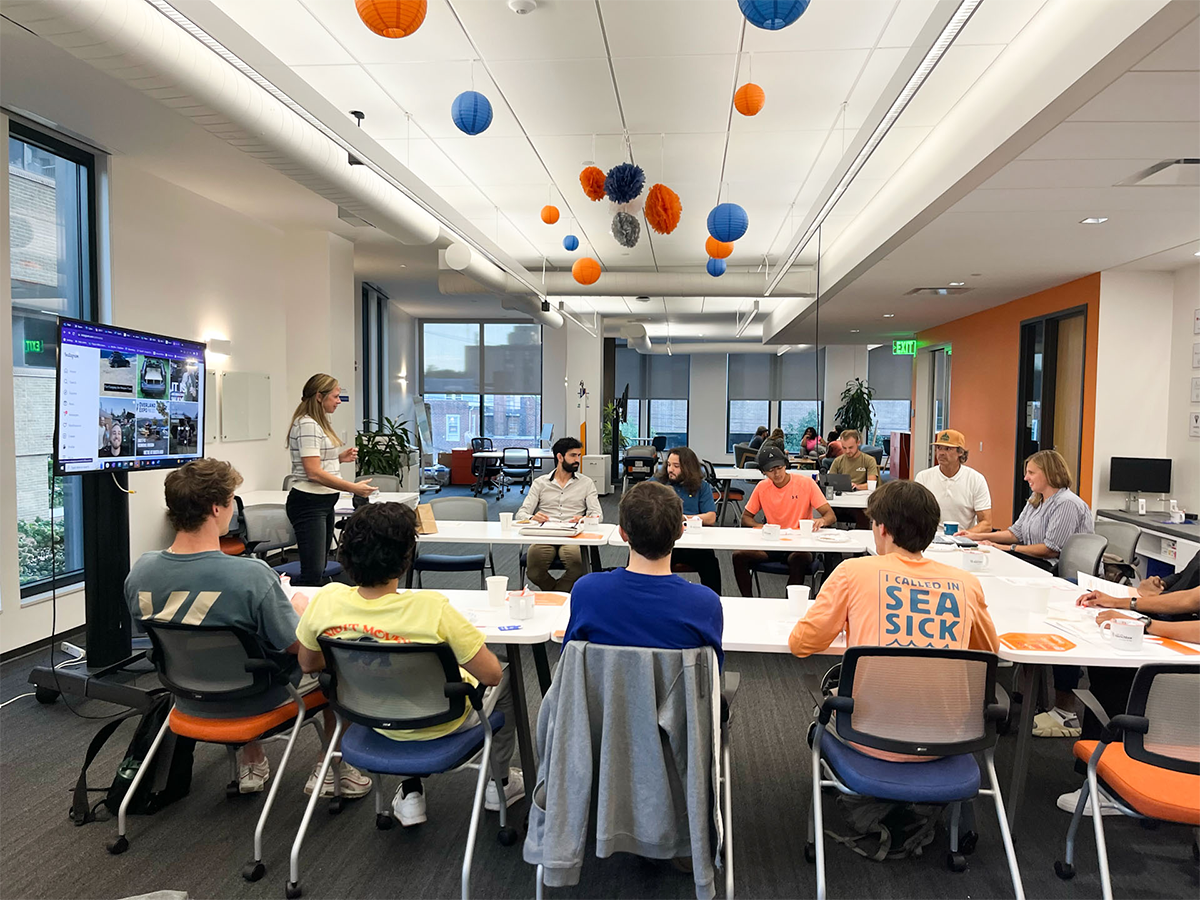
[199, 844]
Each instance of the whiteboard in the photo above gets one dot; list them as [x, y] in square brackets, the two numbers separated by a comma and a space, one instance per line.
[245, 406]
[210, 408]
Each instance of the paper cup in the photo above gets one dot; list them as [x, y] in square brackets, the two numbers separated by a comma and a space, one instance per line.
[804, 527]
[591, 521]
[506, 520]
[871, 483]
[497, 589]
[797, 600]
[770, 532]
[1039, 599]
[974, 560]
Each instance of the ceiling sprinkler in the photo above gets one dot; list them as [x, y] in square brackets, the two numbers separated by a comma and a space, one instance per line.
[522, 7]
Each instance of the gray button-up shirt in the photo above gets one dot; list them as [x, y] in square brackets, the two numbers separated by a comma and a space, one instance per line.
[578, 498]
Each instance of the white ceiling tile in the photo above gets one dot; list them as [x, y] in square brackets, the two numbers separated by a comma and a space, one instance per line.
[875, 76]
[686, 94]
[563, 96]
[671, 28]
[426, 160]
[1180, 54]
[555, 30]
[906, 23]
[1080, 202]
[679, 158]
[302, 40]
[773, 158]
[350, 87]
[804, 90]
[497, 161]
[957, 71]
[1146, 97]
[826, 26]
[427, 90]
[1065, 173]
[472, 204]
[1118, 140]
[438, 38]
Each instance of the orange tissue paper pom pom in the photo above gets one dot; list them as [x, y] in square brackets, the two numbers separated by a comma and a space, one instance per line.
[586, 270]
[717, 249]
[592, 179]
[662, 209]
[549, 214]
[391, 18]
[749, 99]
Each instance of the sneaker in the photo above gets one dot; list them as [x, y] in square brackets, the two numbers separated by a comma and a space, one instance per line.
[252, 777]
[409, 807]
[1068, 802]
[1056, 724]
[354, 783]
[513, 791]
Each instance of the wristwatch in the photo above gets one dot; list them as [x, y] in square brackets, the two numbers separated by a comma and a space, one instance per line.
[1133, 603]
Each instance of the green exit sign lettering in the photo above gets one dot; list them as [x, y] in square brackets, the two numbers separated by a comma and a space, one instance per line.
[904, 348]
[32, 346]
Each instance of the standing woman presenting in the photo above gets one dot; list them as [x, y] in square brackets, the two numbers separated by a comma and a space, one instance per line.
[315, 482]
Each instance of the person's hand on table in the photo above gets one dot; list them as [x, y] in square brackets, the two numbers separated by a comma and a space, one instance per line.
[363, 488]
[818, 524]
[1095, 598]
[1108, 615]
[540, 517]
[574, 519]
[1005, 547]
[350, 454]
[1150, 587]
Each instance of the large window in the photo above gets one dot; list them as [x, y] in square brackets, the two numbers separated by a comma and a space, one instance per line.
[775, 391]
[891, 378]
[482, 380]
[51, 218]
[658, 396]
[374, 354]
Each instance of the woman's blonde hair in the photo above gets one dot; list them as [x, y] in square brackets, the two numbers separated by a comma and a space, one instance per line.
[777, 435]
[1054, 467]
[316, 389]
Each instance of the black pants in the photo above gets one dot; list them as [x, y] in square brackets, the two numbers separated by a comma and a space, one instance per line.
[311, 516]
[704, 562]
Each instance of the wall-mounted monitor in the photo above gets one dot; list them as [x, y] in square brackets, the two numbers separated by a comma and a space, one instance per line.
[126, 399]
[1134, 475]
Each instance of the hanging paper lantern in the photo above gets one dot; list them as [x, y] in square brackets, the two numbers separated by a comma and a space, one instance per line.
[727, 222]
[471, 112]
[662, 209]
[570, 242]
[626, 229]
[716, 267]
[592, 180]
[717, 249]
[549, 214]
[749, 99]
[586, 270]
[391, 18]
[624, 182]
[771, 15]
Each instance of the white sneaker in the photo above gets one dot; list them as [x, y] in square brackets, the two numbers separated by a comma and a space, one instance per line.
[513, 791]
[354, 783]
[1056, 723]
[1068, 802]
[252, 777]
[409, 808]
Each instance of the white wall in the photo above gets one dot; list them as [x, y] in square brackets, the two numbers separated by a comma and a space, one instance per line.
[1133, 380]
[708, 406]
[843, 362]
[554, 389]
[1182, 448]
[584, 362]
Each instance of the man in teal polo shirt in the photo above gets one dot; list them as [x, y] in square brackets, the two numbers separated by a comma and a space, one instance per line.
[682, 472]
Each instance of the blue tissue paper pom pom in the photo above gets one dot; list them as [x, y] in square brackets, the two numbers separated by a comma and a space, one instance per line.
[624, 182]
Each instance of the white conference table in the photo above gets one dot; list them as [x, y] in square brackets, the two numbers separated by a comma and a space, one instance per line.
[718, 538]
[726, 475]
[999, 562]
[345, 503]
[454, 532]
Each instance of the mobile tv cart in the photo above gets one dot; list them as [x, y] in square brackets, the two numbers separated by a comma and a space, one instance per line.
[109, 629]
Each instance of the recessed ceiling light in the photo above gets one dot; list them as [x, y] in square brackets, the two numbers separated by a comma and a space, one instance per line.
[854, 330]
[957, 283]
[1197, 253]
[1094, 220]
[889, 315]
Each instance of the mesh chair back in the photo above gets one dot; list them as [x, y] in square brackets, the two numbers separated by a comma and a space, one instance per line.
[389, 484]
[710, 474]
[1168, 695]
[268, 523]
[206, 662]
[391, 685]
[237, 524]
[1122, 539]
[925, 702]
[460, 509]
[1081, 553]
[516, 458]
[742, 452]
[659, 442]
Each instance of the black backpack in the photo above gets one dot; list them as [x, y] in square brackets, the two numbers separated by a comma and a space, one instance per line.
[169, 779]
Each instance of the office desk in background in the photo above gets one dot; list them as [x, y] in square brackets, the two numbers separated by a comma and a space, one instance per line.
[1167, 542]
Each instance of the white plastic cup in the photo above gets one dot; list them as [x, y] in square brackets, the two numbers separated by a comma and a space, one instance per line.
[797, 600]
[871, 483]
[770, 532]
[506, 520]
[805, 529]
[1127, 634]
[590, 521]
[497, 588]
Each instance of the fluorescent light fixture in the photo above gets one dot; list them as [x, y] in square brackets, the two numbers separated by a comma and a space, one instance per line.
[1197, 253]
[889, 315]
[562, 311]
[957, 283]
[784, 349]
[953, 28]
[742, 325]
[1094, 220]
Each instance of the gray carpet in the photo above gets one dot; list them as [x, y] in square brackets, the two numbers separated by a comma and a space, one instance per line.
[199, 844]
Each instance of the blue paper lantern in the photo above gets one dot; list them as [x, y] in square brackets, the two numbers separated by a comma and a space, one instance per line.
[471, 112]
[771, 15]
[716, 267]
[570, 242]
[727, 222]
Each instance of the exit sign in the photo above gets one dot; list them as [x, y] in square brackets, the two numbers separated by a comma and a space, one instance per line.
[32, 346]
[904, 348]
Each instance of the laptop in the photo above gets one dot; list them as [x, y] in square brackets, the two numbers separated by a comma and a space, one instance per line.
[840, 483]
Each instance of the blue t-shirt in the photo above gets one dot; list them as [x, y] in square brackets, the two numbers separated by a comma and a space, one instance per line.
[696, 504]
[627, 609]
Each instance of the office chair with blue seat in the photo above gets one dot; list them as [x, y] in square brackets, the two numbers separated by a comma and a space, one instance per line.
[269, 531]
[516, 468]
[372, 685]
[454, 509]
[815, 573]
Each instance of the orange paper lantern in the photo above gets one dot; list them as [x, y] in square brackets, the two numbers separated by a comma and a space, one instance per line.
[586, 270]
[391, 18]
[717, 249]
[749, 99]
[549, 214]
[662, 209]
[592, 179]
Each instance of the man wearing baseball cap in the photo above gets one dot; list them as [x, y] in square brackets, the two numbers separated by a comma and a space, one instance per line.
[784, 499]
[961, 492]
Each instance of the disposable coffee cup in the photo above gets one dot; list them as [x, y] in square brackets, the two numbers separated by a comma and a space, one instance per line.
[497, 588]
[871, 483]
[797, 600]
[1039, 599]
[591, 521]
[951, 528]
[1127, 634]
[506, 520]
[770, 532]
[804, 527]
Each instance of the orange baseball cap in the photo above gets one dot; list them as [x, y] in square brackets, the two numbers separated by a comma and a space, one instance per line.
[950, 438]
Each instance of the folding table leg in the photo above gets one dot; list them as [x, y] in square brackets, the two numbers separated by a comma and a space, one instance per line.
[521, 711]
[542, 663]
[1016, 790]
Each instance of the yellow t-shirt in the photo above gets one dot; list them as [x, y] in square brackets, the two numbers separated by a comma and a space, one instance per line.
[420, 617]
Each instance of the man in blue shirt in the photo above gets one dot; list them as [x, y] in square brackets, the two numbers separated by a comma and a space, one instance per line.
[644, 605]
[682, 472]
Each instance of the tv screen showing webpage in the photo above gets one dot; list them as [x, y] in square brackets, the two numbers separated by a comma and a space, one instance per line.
[126, 399]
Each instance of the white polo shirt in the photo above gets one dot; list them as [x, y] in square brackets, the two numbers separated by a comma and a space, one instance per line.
[960, 496]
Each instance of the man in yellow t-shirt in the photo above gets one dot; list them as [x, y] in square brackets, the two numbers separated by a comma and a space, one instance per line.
[376, 550]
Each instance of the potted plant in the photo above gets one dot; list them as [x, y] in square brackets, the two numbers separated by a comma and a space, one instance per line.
[606, 430]
[855, 411]
[384, 448]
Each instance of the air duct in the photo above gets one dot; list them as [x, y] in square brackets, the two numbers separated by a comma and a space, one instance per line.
[636, 337]
[631, 284]
[134, 43]
[478, 275]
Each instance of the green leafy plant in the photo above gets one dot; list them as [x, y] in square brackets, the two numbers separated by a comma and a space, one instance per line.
[606, 430]
[34, 558]
[384, 448]
[855, 412]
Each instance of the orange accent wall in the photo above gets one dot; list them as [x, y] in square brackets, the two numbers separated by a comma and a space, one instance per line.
[983, 383]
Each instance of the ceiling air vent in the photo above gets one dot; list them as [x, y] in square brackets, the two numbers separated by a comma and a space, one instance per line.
[1168, 173]
[936, 291]
[351, 219]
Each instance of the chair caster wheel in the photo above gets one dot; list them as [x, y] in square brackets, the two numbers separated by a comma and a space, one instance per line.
[967, 843]
[384, 822]
[45, 695]
[232, 790]
[507, 836]
[810, 853]
[254, 871]
[292, 891]
[120, 845]
[335, 805]
[1063, 870]
[956, 862]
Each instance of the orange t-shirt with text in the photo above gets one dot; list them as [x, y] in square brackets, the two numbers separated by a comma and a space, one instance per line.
[787, 505]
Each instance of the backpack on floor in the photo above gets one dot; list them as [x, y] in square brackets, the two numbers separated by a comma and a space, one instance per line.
[171, 771]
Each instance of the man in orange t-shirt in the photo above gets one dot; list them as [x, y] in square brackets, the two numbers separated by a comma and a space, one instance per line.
[784, 500]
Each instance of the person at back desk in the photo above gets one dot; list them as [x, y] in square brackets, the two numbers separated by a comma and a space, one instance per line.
[861, 467]
[760, 435]
[563, 495]
[681, 472]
